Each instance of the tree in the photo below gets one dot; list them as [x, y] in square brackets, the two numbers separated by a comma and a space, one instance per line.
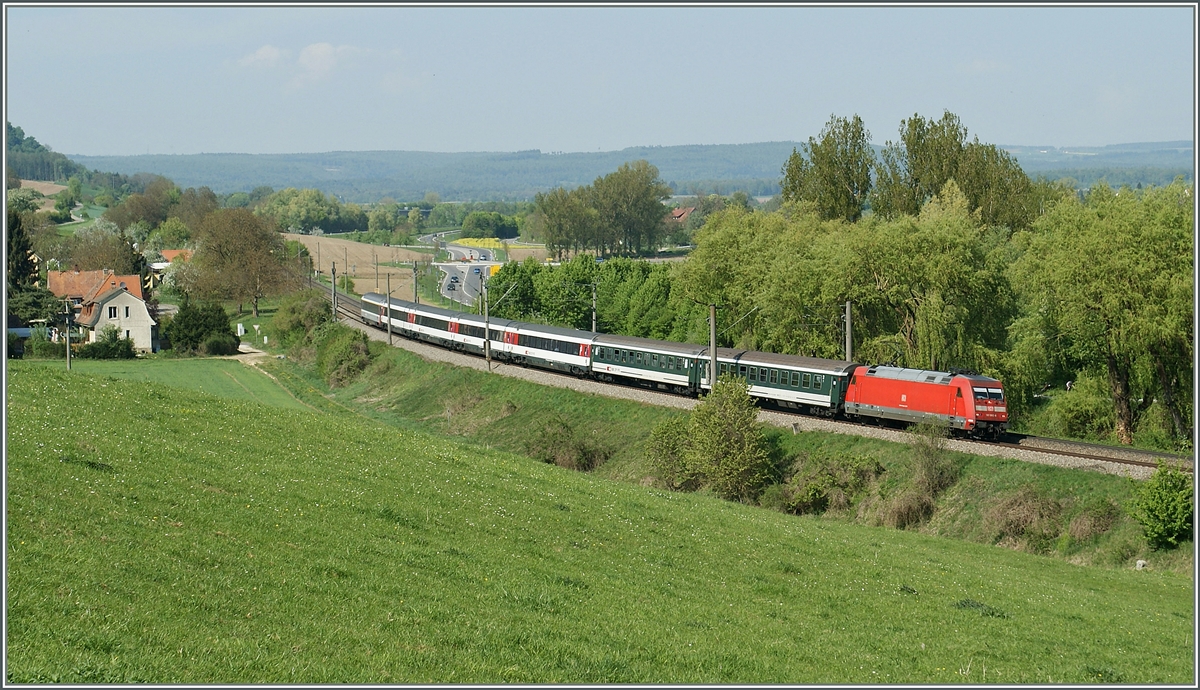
[568, 221]
[20, 268]
[197, 324]
[930, 153]
[104, 246]
[239, 256]
[1107, 282]
[834, 174]
[630, 210]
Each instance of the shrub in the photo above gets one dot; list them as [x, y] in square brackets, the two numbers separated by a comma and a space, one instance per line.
[220, 344]
[823, 482]
[1163, 506]
[108, 345]
[933, 471]
[1097, 517]
[666, 450]
[341, 353]
[558, 443]
[39, 346]
[1026, 517]
[194, 325]
[298, 317]
[723, 446]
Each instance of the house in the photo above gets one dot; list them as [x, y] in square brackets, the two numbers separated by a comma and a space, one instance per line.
[102, 298]
[170, 254]
[119, 307]
[679, 215]
[81, 286]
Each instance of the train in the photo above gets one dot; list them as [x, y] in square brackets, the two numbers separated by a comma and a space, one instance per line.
[967, 403]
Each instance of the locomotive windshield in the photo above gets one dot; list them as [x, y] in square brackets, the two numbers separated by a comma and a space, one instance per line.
[989, 394]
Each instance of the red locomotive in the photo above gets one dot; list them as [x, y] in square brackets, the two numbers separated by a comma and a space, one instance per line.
[971, 403]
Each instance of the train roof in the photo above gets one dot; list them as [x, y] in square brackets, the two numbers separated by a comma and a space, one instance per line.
[925, 375]
[559, 331]
[636, 343]
[437, 311]
[797, 361]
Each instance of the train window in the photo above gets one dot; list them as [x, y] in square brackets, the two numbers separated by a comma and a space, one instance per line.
[981, 394]
[807, 380]
[670, 362]
[995, 393]
[795, 379]
[742, 370]
[653, 360]
[639, 358]
[818, 381]
[753, 374]
[774, 376]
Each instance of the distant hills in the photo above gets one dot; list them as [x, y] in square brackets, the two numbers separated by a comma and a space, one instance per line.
[367, 176]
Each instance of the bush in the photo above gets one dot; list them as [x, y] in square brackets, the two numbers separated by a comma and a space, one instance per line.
[109, 345]
[39, 346]
[933, 471]
[1028, 518]
[342, 353]
[1163, 506]
[558, 443]
[298, 316]
[722, 446]
[823, 482]
[194, 326]
[666, 450]
[220, 344]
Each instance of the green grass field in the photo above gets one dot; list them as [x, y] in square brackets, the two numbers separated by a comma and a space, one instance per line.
[159, 534]
[225, 378]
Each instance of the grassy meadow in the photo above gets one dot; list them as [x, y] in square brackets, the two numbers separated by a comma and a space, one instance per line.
[163, 534]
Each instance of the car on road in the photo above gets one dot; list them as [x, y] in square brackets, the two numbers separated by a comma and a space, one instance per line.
[453, 279]
[475, 270]
[450, 286]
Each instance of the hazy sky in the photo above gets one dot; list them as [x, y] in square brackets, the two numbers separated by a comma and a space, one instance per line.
[295, 79]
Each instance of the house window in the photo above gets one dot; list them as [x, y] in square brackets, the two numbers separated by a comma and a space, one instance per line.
[112, 312]
[127, 312]
[127, 330]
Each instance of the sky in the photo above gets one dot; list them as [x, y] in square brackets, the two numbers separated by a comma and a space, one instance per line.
[179, 79]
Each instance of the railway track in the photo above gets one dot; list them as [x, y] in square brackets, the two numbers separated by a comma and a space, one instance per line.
[351, 308]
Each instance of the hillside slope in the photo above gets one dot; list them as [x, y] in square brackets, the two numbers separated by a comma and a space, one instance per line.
[192, 539]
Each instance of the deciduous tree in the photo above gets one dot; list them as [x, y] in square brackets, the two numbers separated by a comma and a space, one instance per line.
[834, 171]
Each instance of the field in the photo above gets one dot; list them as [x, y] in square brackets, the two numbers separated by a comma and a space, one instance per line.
[172, 536]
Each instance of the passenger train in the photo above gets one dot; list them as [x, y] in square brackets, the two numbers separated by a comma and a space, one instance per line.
[971, 404]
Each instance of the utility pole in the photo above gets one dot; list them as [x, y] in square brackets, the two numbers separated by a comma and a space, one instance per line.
[849, 354]
[593, 307]
[487, 329]
[416, 297]
[318, 258]
[375, 258]
[333, 288]
[712, 347]
[67, 304]
[388, 309]
[345, 260]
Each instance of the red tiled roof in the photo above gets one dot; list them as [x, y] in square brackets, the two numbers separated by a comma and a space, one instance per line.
[74, 283]
[111, 282]
[681, 214]
[170, 254]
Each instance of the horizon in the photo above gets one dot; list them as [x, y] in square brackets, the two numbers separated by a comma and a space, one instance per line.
[554, 153]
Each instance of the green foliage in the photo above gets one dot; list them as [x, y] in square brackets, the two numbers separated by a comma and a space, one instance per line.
[39, 345]
[822, 481]
[108, 345]
[310, 211]
[489, 224]
[20, 269]
[195, 325]
[299, 315]
[557, 442]
[341, 353]
[724, 448]
[834, 172]
[933, 471]
[621, 213]
[1165, 506]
